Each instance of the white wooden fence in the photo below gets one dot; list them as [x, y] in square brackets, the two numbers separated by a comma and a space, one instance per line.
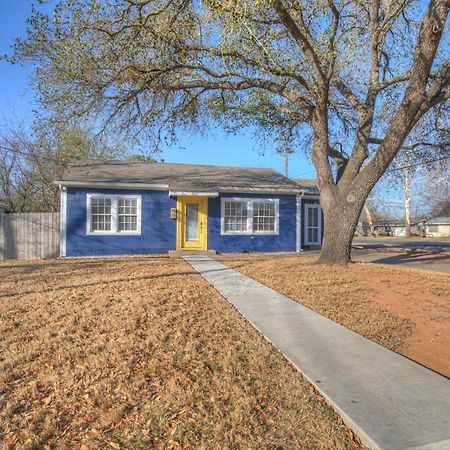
[29, 235]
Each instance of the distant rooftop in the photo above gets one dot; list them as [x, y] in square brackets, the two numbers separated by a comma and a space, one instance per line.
[445, 220]
[308, 185]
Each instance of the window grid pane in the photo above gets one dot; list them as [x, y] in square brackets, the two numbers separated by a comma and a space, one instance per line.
[263, 216]
[235, 216]
[100, 214]
[127, 214]
[313, 225]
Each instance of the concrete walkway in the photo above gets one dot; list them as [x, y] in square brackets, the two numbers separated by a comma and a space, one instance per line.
[389, 401]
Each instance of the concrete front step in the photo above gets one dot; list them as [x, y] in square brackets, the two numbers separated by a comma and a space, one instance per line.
[182, 253]
[389, 401]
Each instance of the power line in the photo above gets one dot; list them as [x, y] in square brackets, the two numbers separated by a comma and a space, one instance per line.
[442, 158]
[417, 164]
[28, 155]
[31, 156]
[46, 158]
[304, 173]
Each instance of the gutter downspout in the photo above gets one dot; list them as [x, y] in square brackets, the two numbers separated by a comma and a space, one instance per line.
[299, 222]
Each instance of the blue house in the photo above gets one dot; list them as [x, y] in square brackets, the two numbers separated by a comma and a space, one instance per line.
[122, 207]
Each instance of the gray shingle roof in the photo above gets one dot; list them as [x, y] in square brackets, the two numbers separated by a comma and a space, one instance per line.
[439, 221]
[179, 177]
[308, 185]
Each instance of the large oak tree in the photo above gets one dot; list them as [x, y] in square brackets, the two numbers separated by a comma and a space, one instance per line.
[349, 79]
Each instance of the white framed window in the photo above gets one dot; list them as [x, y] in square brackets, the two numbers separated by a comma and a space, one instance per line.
[313, 224]
[264, 216]
[113, 214]
[249, 216]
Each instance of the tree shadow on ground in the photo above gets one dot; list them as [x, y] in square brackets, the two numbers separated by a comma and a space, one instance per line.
[98, 283]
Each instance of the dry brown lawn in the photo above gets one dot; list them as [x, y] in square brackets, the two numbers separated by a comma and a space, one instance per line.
[404, 309]
[142, 353]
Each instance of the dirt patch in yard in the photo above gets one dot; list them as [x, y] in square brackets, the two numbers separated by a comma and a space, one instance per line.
[143, 353]
[404, 309]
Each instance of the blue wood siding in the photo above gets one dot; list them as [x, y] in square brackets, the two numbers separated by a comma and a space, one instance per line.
[158, 231]
[283, 242]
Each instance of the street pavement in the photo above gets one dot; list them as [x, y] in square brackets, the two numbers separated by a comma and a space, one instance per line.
[424, 254]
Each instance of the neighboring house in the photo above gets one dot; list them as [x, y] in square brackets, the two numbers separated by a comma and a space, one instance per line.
[309, 186]
[121, 207]
[388, 228]
[438, 227]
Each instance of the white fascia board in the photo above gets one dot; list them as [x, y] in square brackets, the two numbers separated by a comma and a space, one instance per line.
[111, 185]
[193, 194]
[261, 191]
[165, 187]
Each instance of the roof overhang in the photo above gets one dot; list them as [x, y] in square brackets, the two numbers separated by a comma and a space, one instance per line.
[180, 192]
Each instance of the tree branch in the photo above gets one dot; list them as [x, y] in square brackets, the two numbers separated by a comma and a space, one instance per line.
[415, 100]
[300, 37]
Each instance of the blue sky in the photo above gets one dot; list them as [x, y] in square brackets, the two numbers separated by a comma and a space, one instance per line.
[16, 99]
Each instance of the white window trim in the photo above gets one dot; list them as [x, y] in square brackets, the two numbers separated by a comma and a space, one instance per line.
[250, 202]
[298, 223]
[319, 224]
[114, 215]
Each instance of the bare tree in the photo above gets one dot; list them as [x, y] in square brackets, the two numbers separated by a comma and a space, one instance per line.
[434, 189]
[422, 184]
[352, 78]
[31, 160]
[369, 219]
[426, 151]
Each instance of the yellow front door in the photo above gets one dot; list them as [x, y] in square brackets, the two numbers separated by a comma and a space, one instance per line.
[192, 221]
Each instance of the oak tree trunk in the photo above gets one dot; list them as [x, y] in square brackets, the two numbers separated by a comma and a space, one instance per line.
[340, 221]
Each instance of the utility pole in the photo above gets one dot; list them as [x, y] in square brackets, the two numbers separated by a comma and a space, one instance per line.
[285, 151]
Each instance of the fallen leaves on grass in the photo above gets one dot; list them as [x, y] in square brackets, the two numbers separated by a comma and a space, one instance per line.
[333, 291]
[143, 353]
